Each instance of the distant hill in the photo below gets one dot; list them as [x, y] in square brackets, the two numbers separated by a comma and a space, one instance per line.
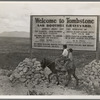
[15, 34]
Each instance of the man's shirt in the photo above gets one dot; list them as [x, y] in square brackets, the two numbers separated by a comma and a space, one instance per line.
[65, 53]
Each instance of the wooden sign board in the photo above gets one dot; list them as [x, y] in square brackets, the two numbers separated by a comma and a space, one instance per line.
[52, 31]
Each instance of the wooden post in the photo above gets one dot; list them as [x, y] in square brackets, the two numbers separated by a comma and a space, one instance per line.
[31, 37]
[97, 45]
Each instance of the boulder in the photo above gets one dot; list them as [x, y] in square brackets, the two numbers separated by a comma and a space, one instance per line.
[11, 77]
[28, 72]
[25, 69]
[96, 84]
[33, 60]
[91, 75]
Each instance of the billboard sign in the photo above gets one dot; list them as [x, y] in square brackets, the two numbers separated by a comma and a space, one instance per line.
[51, 32]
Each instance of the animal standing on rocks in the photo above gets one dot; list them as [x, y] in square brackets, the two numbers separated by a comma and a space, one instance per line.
[51, 65]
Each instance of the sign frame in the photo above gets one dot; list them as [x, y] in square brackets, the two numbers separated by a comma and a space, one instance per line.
[97, 32]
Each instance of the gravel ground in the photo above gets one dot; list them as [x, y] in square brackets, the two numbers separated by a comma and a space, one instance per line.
[19, 89]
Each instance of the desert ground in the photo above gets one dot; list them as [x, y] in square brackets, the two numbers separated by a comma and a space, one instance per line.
[15, 50]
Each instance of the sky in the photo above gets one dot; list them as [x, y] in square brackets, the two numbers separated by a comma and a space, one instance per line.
[15, 16]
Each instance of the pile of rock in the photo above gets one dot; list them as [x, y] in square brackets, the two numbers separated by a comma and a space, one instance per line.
[91, 76]
[29, 72]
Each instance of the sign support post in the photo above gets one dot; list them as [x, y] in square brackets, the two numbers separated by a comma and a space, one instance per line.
[97, 45]
[31, 37]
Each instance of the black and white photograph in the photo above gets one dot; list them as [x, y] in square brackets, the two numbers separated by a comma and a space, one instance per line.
[49, 48]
